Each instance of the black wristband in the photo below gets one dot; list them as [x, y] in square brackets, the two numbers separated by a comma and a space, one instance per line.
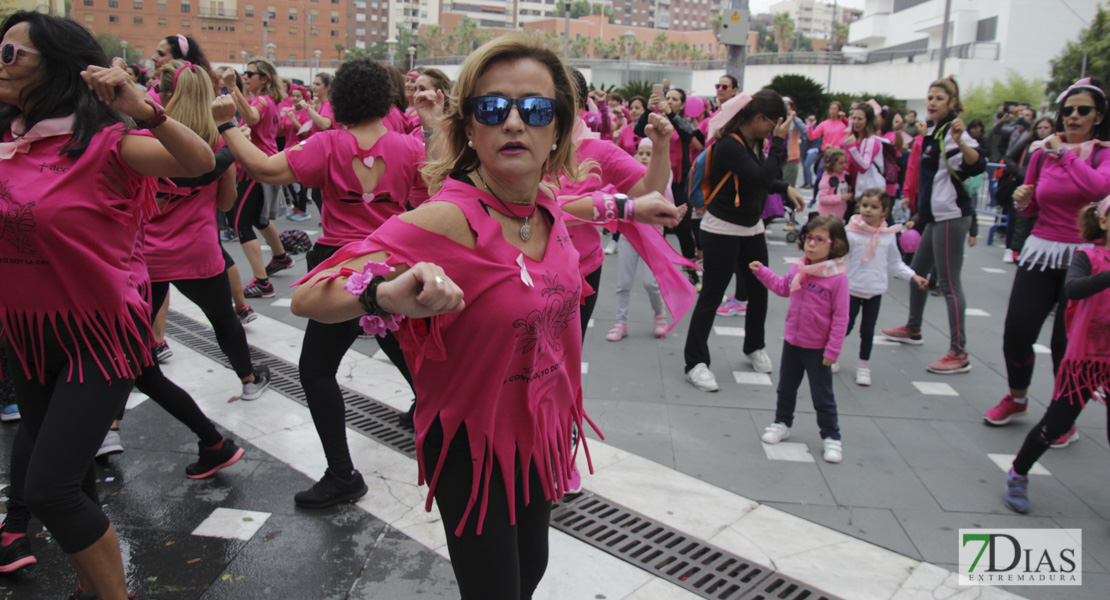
[225, 126]
[368, 299]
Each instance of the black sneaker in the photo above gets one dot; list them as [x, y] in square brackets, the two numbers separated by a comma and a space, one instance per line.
[332, 490]
[405, 419]
[214, 460]
[16, 555]
[252, 390]
[258, 289]
[246, 314]
[162, 352]
[279, 264]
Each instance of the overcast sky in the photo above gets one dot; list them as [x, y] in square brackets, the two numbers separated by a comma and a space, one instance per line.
[761, 6]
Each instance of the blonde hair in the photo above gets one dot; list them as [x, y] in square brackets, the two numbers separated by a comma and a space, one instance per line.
[457, 157]
[272, 88]
[950, 87]
[190, 99]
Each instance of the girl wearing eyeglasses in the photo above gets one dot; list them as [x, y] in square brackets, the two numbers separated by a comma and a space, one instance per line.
[483, 286]
[75, 186]
[1067, 171]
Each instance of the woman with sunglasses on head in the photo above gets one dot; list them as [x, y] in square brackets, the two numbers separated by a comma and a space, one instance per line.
[76, 346]
[181, 47]
[367, 174]
[1067, 171]
[253, 206]
[490, 283]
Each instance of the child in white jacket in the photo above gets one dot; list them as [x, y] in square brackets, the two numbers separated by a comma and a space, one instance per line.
[873, 252]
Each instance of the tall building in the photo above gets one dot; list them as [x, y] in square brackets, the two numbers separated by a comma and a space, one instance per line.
[375, 21]
[677, 15]
[814, 18]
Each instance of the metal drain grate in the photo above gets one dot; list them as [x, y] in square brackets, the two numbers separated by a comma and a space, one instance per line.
[665, 552]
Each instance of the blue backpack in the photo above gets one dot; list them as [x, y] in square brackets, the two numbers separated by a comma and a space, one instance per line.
[698, 192]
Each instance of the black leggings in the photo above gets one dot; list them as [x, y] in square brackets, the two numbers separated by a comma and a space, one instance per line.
[870, 308]
[505, 562]
[1034, 295]
[721, 254]
[247, 211]
[178, 403]
[1057, 420]
[684, 231]
[588, 304]
[300, 201]
[213, 296]
[65, 421]
[321, 352]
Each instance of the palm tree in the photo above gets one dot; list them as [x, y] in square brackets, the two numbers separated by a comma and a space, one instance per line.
[784, 31]
[339, 48]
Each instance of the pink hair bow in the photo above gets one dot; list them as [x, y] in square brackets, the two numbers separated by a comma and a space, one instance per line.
[183, 45]
[875, 106]
[729, 109]
[1082, 84]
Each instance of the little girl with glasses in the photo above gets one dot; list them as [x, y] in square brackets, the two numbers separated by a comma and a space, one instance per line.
[816, 323]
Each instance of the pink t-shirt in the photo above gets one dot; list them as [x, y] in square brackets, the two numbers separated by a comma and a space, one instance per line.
[66, 243]
[612, 166]
[1064, 184]
[829, 190]
[264, 132]
[325, 161]
[290, 130]
[395, 121]
[181, 238]
[628, 140]
[508, 366]
[325, 111]
[833, 131]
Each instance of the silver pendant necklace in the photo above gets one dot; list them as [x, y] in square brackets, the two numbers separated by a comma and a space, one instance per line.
[525, 229]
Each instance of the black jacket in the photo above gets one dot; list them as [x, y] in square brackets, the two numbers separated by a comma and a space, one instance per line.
[758, 176]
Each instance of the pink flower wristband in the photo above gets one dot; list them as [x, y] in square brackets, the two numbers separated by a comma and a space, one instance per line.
[379, 323]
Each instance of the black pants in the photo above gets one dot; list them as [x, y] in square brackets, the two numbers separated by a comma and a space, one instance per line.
[247, 212]
[684, 231]
[870, 308]
[505, 562]
[589, 302]
[300, 200]
[1057, 420]
[321, 352]
[213, 296]
[721, 254]
[65, 421]
[1034, 295]
[798, 362]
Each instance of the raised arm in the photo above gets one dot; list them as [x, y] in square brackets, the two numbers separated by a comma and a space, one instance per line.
[246, 111]
[659, 166]
[274, 169]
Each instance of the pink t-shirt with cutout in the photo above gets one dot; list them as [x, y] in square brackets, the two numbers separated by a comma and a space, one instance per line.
[508, 366]
[325, 161]
[264, 132]
[67, 236]
[612, 166]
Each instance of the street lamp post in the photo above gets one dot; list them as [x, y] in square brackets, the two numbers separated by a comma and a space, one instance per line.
[271, 51]
[244, 54]
[566, 42]
[123, 44]
[629, 38]
[412, 57]
[265, 30]
[391, 43]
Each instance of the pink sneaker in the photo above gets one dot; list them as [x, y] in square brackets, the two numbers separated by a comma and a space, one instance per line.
[1007, 409]
[904, 335]
[951, 364]
[617, 333]
[1067, 439]
[574, 483]
[660, 325]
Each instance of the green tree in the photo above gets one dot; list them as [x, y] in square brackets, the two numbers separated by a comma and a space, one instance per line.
[339, 48]
[635, 88]
[784, 31]
[110, 43]
[1095, 42]
[982, 102]
[840, 36]
[580, 8]
[808, 95]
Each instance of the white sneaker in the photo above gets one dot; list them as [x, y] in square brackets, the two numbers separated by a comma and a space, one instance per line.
[835, 367]
[863, 376]
[111, 444]
[611, 247]
[760, 361]
[702, 378]
[834, 452]
[1007, 256]
[775, 433]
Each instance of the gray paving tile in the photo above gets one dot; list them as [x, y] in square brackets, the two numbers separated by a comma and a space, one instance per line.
[920, 444]
[398, 567]
[639, 427]
[982, 491]
[875, 525]
[935, 533]
[1096, 541]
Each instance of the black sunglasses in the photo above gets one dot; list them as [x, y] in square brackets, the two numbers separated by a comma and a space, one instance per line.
[723, 86]
[10, 51]
[249, 74]
[1083, 110]
[535, 111]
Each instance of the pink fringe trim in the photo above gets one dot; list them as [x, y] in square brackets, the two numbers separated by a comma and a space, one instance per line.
[1081, 379]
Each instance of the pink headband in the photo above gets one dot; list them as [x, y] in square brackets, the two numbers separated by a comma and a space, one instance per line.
[297, 86]
[729, 109]
[183, 45]
[1104, 206]
[1082, 84]
[875, 106]
[645, 143]
[187, 65]
[414, 75]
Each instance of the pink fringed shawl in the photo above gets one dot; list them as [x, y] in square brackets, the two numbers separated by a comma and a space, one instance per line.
[1086, 365]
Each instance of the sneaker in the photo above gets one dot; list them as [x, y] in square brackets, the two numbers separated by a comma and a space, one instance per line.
[301, 215]
[835, 367]
[16, 555]
[1008, 256]
[1017, 492]
[259, 290]
[661, 325]
[951, 364]
[574, 483]
[332, 490]
[702, 378]
[1005, 410]
[292, 211]
[252, 390]
[228, 235]
[611, 247]
[617, 333]
[904, 335]
[215, 459]
[111, 444]
[162, 352]
[10, 412]
[246, 314]
[1067, 439]
[863, 376]
[733, 308]
[760, 361]
[279, 264]
[775, 433]
[935, 290]
[694, 277]
[834, 451]
[407, 418]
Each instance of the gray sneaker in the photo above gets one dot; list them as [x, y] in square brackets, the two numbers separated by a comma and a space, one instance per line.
[111, 444]
[252, 390]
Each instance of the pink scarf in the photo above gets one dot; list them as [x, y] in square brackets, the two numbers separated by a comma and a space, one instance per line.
[1086, 365]
[857, 225]
[825, 268]
[43, 129]
[1083, 149]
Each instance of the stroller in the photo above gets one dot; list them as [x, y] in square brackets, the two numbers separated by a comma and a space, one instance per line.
[775, 209]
